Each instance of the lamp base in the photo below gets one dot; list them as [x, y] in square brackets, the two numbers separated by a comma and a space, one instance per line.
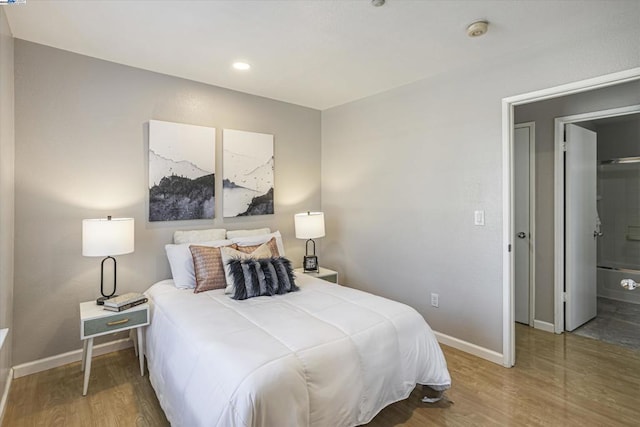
[104, 297]
[101, 300]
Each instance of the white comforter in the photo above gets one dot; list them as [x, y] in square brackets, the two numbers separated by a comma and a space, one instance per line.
[324, 356]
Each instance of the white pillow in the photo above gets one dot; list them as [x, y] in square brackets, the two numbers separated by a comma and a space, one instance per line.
[198, 236]
[227, 254]
[231, 234]
[258, 240]
[181, 262]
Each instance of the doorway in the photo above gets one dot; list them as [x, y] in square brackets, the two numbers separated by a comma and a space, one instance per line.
[509, 104]
[574, 304]
[596, 305]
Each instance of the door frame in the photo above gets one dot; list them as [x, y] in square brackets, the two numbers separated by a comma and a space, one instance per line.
[559, 197]
[532, 217]
[508, 106]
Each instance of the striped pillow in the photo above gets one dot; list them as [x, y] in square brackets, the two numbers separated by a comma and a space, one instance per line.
[261, 277]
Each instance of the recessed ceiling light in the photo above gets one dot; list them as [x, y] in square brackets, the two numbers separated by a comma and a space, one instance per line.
[242, 66]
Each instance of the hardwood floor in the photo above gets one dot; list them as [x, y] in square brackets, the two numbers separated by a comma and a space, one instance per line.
[117, 396]
[558, 380]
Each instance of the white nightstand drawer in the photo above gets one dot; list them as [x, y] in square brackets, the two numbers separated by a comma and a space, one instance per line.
[124, 320]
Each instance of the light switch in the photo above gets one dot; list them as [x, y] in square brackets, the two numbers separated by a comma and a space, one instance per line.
[478, 217]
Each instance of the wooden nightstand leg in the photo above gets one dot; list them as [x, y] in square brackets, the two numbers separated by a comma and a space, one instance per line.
[141, 350]
[134, 337]
[84, 355]
[87, 369]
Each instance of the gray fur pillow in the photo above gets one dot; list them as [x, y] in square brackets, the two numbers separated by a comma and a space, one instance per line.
[263, 276]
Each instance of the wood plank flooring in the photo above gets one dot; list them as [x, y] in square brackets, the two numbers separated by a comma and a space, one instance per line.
[558, 380]
[117, 396]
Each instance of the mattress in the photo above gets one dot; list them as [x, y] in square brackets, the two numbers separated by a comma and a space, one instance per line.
[326, 355]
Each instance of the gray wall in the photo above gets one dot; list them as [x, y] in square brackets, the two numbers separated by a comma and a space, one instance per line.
[403, 171]
[619, 137]
[543, 114]
[81, 152]
[7, 146]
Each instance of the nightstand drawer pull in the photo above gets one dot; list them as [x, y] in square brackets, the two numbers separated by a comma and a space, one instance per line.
[118, 322]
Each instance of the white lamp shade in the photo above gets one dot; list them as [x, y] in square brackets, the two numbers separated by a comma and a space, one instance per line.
[309, 225]
[107, 237]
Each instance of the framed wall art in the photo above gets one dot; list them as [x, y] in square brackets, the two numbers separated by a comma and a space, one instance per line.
[181, 171]
[248, 173]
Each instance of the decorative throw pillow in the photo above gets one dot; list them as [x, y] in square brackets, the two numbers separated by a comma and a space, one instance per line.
[208, 267]
[273, 247]
[228, 254]
[258, 240]
[261, 277]
[181, 262]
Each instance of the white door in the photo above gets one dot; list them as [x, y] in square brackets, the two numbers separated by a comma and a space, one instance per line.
[580, 226]
[522, 222]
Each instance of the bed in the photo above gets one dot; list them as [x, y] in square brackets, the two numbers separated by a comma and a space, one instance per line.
[326, 355]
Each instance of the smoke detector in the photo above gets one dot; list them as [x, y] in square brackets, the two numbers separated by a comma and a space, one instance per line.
[377, 3]
[477, 29]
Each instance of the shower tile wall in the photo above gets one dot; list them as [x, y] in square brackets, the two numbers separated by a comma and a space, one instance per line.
[619, 210]
[618, 202]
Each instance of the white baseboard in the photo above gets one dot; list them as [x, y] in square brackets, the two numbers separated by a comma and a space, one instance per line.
[5, 395]
[467, 347]
[69, 357]
[544, 326]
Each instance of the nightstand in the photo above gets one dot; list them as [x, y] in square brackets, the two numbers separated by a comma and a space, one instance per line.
[96, 321]
[324, 274]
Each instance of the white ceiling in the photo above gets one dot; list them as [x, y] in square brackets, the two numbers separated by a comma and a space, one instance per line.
[315, 53]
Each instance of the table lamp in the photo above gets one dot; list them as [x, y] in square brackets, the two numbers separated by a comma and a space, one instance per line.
[310, 225]
[107, 237]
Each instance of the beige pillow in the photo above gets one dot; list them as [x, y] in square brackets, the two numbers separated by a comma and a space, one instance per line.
[199, 236]
[229, 253]
[258, 240]
[208, 267]
[271, 244]
[232, 234]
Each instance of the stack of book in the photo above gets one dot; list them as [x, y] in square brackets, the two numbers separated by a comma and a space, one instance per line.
[125, 301]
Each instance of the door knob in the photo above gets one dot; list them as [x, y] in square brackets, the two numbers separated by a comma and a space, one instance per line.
[597, 234]
[521, 235]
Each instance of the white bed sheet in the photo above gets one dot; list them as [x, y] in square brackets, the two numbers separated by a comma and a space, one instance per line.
[326, 355]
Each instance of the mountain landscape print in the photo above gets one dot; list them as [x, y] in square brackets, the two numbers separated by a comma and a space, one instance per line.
[247, 166]
[181, 171]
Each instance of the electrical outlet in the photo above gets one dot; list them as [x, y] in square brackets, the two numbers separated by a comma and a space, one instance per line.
[434, 300]
[478, 217]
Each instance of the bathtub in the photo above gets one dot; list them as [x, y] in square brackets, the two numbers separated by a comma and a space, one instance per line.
[609, 278]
